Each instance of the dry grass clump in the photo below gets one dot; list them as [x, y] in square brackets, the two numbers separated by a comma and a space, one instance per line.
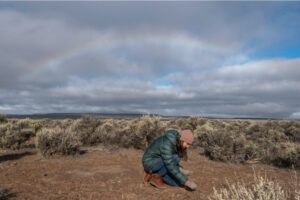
[14, 134]
[294, 186]
[262, 188]
[57, 141]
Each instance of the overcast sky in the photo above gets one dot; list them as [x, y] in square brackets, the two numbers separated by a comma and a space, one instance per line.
[221, 59]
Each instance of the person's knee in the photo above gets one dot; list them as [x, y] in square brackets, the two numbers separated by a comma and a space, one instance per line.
[162, 171]
[158, 168]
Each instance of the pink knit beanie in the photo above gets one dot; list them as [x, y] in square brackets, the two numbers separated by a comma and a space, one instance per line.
[186, 136]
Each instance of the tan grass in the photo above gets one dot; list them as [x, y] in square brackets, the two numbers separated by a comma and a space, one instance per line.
[261, 189]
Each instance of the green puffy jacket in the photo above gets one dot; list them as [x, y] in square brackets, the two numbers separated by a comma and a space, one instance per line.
[164, 147]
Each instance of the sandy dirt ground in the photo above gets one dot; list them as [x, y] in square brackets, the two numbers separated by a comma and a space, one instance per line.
[100, 173]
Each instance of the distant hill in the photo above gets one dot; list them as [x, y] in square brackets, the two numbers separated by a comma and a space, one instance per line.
[74, 115]
[115, 116]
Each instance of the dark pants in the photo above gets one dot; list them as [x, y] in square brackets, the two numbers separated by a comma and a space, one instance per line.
[160, 169]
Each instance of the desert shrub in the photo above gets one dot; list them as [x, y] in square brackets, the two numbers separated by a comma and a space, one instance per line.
[202, 134]
[278, 131]
[268, 131]
[185, 123]
[286, 155]
[252, 151]
[240, 141]
[293, 132]
[106, 132]
[262, 189]
[128, 133]
[271, 142]
[171, 124]
[3, 119]
[50, 123]
[189, 123]
[196, 121]
[181, 123]
[141, 132]
[57, 141]
[289, 123]
[136, 133]
[277, 135]
[85, 128]
[219, 124]
[148, 128]
[234, 126]
[224, 146]
[29, 125]
[116, 132]
[14, 136]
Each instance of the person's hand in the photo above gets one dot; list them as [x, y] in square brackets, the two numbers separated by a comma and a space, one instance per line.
[191, 185]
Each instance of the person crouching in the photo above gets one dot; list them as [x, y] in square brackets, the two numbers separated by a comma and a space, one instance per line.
[161, 160]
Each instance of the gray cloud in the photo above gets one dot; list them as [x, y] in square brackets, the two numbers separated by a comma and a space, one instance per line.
[222, 23]
[194, 59]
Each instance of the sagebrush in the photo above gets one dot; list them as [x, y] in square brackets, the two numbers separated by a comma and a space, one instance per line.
[57, 140]
[274, 142]
[14, 135]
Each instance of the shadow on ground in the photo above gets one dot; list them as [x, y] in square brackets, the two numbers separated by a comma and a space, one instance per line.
[14, 156]
[6, 194]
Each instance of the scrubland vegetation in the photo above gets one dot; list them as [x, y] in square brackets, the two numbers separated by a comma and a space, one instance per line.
[237, 141]
[275, 142]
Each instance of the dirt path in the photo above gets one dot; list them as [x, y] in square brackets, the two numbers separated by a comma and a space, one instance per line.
[114, 174]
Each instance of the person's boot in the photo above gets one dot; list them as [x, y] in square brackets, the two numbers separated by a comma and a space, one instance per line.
[147, 178]
[157, 181]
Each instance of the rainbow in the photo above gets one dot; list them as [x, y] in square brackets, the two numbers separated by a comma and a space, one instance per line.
[111, 40]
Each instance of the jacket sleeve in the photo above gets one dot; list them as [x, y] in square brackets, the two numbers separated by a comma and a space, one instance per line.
[167, 157]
